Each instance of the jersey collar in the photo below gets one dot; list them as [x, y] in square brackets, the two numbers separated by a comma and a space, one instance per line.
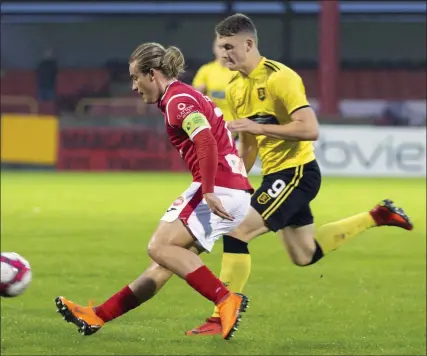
[160, 102]
[167, 88]
[258, 68]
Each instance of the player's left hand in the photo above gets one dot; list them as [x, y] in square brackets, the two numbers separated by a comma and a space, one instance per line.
[216, 206]
[245, 125]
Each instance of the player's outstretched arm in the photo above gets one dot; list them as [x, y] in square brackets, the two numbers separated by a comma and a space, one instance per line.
[248, 150]
[303, 127]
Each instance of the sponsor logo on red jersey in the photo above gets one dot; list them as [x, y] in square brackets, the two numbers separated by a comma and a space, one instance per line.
[178, 201]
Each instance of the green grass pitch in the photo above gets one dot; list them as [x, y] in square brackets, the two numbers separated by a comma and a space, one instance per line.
[86, 236]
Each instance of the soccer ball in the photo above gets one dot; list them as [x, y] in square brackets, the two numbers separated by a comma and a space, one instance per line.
[15, 274]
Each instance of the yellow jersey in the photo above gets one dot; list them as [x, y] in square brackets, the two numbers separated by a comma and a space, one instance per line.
[269, 95]
[215, 78]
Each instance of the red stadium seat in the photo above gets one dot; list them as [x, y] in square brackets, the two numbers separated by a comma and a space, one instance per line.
[346, 85]
[414, 84]
[19, 82]
[16, 109]
[19, 104]
[372, 84]
[382, 84]
[99, 110]
[118, 107]
[47, 107]
[310, 82]
[72, 82]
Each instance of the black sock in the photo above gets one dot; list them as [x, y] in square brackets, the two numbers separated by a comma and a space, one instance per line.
[318, 254]
[233, 245]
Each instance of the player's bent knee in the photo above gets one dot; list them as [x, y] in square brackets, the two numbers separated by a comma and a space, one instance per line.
[151, 250]
[300, 258]
[299, 244]
[154, 249]
[163, 236]
[302, 261]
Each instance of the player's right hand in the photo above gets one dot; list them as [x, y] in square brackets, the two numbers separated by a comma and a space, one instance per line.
[216, 206]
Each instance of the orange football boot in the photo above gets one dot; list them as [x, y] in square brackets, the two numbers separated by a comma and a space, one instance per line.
[84, 318]
[212, 326]
[387, 214]
[230, 309]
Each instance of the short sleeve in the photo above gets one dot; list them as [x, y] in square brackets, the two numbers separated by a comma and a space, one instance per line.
[195, 123]
[184, 112]
[179, 107]
[287, 86]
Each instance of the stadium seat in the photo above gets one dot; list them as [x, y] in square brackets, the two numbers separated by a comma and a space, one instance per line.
[88, 82]
[47, 107]
[387, 84]
[310, 79]
[19, 82]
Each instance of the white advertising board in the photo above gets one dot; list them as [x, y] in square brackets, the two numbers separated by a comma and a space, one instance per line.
[369, 151]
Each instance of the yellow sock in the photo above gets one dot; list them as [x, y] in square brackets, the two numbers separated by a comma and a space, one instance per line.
[333, 235]
[235, 268]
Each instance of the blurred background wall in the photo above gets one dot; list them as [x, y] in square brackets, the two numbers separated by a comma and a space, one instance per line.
[66, 101]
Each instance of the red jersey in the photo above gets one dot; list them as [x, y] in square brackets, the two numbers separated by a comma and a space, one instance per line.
[181, 100]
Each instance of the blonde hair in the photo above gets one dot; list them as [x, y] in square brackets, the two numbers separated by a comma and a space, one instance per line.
[169, 61]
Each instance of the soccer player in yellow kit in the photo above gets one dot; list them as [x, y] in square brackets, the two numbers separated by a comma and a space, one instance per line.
[273, 118]
[212, 78]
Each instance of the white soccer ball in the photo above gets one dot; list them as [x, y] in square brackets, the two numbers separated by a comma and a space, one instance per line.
[15, 274]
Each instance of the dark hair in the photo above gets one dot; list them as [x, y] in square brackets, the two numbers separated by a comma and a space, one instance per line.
[235, 24]
[169, 61]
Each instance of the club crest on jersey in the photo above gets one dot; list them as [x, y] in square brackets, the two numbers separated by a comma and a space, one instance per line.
[263, 198]
[178, 201]
[261, 93]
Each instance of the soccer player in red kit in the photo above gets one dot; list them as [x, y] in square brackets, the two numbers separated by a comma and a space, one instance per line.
[216, 202]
